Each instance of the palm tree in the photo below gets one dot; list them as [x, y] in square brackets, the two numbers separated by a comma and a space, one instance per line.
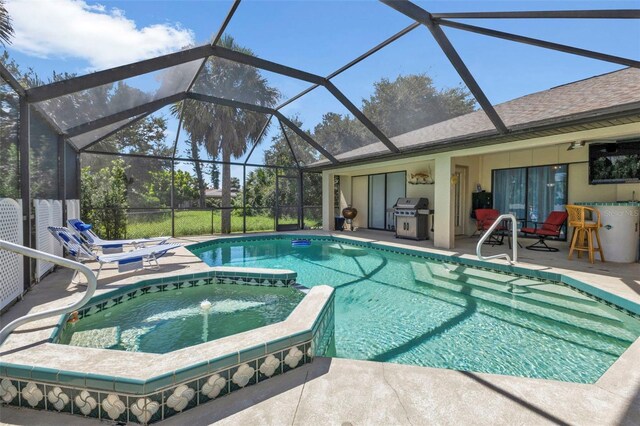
[226, 132]
[6, 29]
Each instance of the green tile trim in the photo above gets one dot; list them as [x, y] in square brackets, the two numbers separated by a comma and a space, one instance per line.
[223, 362]
[131, 386]
[278, 344]
[610, 203]
[604, 296]
[253, 352]
[70, 378]
[159, 382]
[44, 374]
[17, 371]
[189, 373]
[101, 382]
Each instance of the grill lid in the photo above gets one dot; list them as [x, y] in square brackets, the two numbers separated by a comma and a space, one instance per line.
[412, 203]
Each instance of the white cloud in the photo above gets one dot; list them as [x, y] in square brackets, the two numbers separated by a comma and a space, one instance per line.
[103, 37]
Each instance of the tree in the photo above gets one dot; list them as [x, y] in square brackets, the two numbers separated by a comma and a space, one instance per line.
[145, 137]
[215, 176]
[260, 191]
[235, 185]
[194, 152]
[411, 102]
[261, 183]
[279, 154]
[104, 199]
[158, 189]
[6, 29]
[341, 133]
[9, 120]
[43, 153]
[224, 131]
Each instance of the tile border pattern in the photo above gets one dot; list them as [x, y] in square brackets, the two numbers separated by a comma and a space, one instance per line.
[610, 203]
[240, 276]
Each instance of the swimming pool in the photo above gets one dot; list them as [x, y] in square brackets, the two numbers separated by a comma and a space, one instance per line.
[409, 309]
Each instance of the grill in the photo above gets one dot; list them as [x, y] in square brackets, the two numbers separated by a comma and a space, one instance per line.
[412, 218]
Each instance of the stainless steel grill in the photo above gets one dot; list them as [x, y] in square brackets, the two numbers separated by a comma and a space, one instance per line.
[412, 218]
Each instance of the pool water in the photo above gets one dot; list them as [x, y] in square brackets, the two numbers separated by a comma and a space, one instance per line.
[167, 321]
[405, 309]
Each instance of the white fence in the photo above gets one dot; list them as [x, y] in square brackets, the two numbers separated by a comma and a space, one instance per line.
[11, 265]
[73, 209]
[49, 213]
[44, 239]
[56, 219]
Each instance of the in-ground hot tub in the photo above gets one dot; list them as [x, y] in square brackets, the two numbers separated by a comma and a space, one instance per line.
[136, 354]
[166, 321]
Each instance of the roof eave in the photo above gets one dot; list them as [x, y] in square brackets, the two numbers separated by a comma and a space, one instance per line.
[493, 138]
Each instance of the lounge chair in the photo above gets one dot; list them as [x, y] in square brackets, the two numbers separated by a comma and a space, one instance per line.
[549, 228]
[108, 246]
[127, 261]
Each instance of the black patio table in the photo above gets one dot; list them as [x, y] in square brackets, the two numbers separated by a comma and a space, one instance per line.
[506, 232]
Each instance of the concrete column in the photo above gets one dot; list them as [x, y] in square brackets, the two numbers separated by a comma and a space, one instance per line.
[443, 204]
[327, 201]
[345, 192]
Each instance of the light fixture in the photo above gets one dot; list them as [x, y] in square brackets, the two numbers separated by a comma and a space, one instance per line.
[576, 144]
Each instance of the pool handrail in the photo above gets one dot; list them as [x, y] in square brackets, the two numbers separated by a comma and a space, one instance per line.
[92, 284]
[514, 237]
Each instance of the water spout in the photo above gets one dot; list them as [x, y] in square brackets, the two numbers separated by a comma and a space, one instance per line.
[205, 306]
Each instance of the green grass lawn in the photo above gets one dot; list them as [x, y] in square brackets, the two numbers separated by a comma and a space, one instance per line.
[194, 222]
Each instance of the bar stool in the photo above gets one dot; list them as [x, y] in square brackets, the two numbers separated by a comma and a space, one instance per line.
[583, 230]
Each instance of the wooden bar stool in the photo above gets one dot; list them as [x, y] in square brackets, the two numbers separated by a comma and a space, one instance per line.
[583, 231]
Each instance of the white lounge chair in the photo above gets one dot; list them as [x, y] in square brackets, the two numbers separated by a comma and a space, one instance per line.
[108, 246]
[127, 261]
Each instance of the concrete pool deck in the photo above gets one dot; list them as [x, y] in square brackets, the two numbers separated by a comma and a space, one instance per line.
[342, 391]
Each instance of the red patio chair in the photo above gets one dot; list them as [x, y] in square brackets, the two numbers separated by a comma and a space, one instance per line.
[549, 228]
[484, 219]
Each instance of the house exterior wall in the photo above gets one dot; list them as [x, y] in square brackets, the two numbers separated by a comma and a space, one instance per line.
[579, 189]
[480, 162]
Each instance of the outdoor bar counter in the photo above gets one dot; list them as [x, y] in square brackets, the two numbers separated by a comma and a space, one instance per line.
[620, 232]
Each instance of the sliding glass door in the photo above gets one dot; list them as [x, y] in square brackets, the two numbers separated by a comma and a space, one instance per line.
[377, 201]
[510, 191]
[546, 191]
[531, 193]
[384, 191]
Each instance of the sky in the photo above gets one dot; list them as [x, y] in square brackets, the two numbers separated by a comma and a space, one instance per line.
[81, 36]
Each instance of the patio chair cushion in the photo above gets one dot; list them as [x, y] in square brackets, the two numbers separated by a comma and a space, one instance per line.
[486, 217]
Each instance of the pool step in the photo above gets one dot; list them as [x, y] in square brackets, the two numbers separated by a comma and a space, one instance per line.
[585, 324]
[498, 294]
[526, 284]
[532, 320]
[522, 288]
[579, 307]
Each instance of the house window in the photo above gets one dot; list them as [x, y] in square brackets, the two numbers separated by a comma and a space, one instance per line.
[530, 193]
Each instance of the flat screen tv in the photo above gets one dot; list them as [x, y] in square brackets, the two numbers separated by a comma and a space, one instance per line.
[614, 162]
